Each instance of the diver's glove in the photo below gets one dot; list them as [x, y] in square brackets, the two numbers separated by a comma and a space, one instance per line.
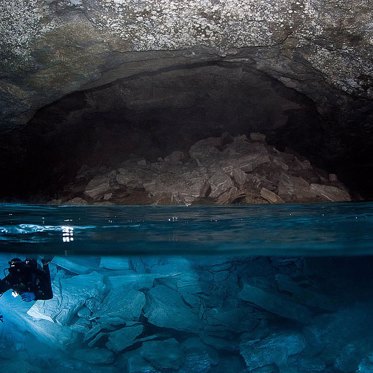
[28, 296]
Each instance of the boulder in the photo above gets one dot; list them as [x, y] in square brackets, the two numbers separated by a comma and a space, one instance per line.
[275, 303]
[206, 151]
[82, 325]
[366, 365]
[191, 186]
[175, 157]
[59, 336]
[76, 201]
[230, 196]
[279, 162]
[122, 303]
[330, 193]
[306, 296]
[186, 283]
[70, 294]
[198, 357]
[71, 265]
[275, 349]
[134, 363]
[294, 189]
[349, 358]
[133, 176]
[124, 337]
[166, 308]
[219, 184]
[94, 355]
[250, 162]
[270, 196]
[230, 363]
[163, 355]
[237, 320]
[114, 263]
[342, 336]
[257, 136]
[311, 364]
[239, 176]
[333, 178]
[179, 186]
[98, 186]
[219, 344]
[18, 366]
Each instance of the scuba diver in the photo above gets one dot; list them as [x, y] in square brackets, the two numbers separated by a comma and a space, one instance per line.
[28, 280]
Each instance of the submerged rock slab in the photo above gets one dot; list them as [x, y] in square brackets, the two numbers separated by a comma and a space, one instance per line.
[123, 338]
[122, 303]
[165, 354]
[70, 294]
[94, 355]
[305, 296]
[276, 349]
[60, 336]
[165, 308]
[275, 303]
[198, 358]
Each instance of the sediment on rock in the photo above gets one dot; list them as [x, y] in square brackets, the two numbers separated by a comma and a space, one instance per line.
[216, 170]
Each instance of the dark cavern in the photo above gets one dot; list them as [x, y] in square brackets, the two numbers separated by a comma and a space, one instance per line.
[198, 174]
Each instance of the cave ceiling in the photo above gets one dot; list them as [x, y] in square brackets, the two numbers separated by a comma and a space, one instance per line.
[323, 49]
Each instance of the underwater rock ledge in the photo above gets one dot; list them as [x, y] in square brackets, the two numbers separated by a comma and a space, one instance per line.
[217, 170]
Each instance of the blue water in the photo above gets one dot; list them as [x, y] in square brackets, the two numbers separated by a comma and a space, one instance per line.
[314, 229]
[197, 289]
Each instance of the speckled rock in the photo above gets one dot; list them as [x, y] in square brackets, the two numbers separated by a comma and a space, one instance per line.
[49, 49]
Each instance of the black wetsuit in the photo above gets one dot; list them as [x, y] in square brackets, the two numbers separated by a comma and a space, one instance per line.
[25, 278]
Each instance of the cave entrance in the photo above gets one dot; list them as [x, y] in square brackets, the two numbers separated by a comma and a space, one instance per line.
[148, 116]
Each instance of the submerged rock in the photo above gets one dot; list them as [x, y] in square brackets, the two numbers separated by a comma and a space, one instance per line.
[198, 358]
[123, 338]
[94, 355]
[135, 363]
[304, 295]
[122, 303]
[162, 355]
[276, 349]
[166, 308]
[69, 295]
[275, 303]
[366, 365]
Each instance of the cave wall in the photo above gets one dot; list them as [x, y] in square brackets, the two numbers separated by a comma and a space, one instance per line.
[300, 71]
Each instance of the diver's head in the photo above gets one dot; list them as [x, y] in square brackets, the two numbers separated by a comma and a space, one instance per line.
[13, 262]
[15, 265]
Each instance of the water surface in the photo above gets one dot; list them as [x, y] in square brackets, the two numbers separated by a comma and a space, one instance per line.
[290, 229]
